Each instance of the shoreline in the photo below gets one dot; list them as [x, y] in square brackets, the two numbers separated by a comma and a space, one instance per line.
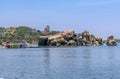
[55, 47]
[47, 38]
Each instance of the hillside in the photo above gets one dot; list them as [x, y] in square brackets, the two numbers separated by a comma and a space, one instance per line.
[17, 34]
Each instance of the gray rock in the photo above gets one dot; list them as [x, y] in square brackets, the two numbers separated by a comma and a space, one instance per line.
[111, 41]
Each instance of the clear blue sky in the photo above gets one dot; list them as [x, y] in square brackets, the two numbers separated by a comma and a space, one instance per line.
[101, 17]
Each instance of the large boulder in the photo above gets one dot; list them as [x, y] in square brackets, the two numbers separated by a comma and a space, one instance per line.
[68, 35]
[99, 40]
[111, 41]
[58, 44]
[43, 41]
[52, 43]
[86, 35]
[72, 43]
[57, 39]
[69, 32]
[79, 39]
[86, 38]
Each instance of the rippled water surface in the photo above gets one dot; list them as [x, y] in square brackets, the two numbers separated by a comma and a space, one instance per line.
[60, 63]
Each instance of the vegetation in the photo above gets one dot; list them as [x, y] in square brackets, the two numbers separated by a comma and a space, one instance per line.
[17, 34]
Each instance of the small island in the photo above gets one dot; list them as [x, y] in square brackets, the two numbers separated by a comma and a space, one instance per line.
[23, 36]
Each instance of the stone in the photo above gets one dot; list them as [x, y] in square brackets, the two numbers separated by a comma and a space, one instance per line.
[99, 40]
[72, 43]
[69, 32]
[55, 37]
[58, 44]
[47, 30]
[58, 39]
[111, 41]
[68, 35]
[43, 41]
[52, 43]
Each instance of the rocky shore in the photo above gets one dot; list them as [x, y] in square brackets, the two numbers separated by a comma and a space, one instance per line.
[23, 36]
[70, 38]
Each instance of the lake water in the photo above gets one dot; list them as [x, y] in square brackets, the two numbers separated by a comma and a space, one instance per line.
[100, 62]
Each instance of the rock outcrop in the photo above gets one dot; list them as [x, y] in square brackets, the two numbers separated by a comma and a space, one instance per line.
[47, 30]
[43, 41]
[65, 38]
[56, 40]
[72, 43]
[111, 41]
[68, 35]
[87, 39]
[70, 38]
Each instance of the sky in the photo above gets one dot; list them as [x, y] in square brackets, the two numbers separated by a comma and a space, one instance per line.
[100, 17]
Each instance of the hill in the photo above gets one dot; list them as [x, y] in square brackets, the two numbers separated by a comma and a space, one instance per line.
[17, 34]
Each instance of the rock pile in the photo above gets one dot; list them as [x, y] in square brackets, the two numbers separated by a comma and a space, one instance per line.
[87, 39]
[111, 41]
[70, 38]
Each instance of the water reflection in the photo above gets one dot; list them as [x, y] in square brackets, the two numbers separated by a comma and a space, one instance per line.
[111, 66]
[86, 53]
[61, 63]
[47, 63]
[86, 63]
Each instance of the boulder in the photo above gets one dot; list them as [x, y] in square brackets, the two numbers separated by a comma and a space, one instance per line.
[52, 43]
[72, 43]
[99, 40]
[62, 41]
[111, 41]
[58, 44]
[86, 38]
[69, 32]
[57, 39]
[79, 39]
[68, 35]
[43, 41]
[86, 35]
[96, 43]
